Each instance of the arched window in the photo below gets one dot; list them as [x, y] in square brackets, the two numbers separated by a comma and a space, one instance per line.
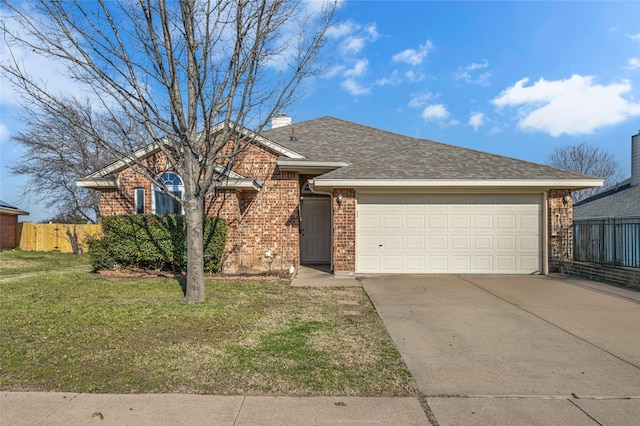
[164, 204]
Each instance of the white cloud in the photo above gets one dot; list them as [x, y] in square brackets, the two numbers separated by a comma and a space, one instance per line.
[372, 31]
[413, 56]
[466, 73]
[476, 119]
[342, 29]
[352, 45]
[4, 133]
[358, 70]
[393, 80]
[414, 77]
[573, 106]
[633, 63]
[354, 87]
[418, 100]
[353, 37]
[436, 112]
[634, 37]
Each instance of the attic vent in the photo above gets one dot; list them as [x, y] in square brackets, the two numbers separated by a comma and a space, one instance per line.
[280, 120]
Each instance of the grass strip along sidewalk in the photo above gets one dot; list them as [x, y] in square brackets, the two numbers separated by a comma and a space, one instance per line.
[75, 331]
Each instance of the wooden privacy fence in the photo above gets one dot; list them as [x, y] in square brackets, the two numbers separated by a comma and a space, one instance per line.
[608, 241]
[54, 236]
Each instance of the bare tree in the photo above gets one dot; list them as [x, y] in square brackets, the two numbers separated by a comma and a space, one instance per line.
[58, 151]
[587, 160]
[193, 73]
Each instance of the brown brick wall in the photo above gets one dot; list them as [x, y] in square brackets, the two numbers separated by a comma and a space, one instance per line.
[8, 224]
[344, 231]
[120, 200]
[257, 222]
[560, 228]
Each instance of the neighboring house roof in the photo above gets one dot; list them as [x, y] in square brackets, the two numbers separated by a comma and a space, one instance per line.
[6, 208]
[383, 157]
[622, 201]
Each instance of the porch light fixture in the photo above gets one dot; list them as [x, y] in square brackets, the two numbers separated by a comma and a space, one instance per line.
[339, 199]
[566, 198]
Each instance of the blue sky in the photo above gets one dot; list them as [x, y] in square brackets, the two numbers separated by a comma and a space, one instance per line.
[512, 78]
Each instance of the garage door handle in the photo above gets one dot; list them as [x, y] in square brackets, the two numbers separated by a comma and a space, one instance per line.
[379, 245]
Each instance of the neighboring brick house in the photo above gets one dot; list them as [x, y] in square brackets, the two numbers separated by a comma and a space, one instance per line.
[364, 200]
[8, 225]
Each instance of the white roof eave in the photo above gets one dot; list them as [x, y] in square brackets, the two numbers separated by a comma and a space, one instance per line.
[573, 184]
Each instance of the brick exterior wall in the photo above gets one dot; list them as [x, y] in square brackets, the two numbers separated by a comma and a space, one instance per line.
[560, 228]
[8, 225]
[267, 221]
[120, 200]
[344, 232]
[626, 277]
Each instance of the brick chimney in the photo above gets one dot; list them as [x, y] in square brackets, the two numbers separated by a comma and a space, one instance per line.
[635, 159]
[280, 120]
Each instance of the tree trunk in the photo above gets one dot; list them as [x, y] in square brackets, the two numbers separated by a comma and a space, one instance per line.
[195, 253]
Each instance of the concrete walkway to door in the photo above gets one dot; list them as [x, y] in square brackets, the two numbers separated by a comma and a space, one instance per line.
[516, 349]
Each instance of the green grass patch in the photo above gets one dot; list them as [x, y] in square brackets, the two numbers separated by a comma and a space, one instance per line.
[18, 262]
[80, 332]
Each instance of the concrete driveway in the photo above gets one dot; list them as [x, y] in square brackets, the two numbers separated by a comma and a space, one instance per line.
[516, 349]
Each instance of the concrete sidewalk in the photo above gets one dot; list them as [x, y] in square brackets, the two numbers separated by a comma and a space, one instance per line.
[40, 408]
[321, 276]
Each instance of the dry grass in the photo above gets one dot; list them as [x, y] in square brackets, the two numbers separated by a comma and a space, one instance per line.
[79, 332]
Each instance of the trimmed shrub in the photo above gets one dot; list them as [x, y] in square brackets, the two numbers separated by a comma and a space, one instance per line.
[154, 242]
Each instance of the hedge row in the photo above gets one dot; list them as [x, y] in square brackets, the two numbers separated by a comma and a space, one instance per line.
[154, 242]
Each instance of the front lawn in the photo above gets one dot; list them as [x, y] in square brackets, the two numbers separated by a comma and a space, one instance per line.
[76, 331]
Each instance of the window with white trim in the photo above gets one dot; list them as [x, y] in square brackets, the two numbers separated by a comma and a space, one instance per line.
[163, 203]
[138, 201]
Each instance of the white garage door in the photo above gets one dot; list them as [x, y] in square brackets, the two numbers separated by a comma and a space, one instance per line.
[448, 233]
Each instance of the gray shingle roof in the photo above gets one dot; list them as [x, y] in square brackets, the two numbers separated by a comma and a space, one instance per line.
[621, 203]
[378, 154]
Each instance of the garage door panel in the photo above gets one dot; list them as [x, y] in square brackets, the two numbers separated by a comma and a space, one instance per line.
[415, 264]
[506, 263]
[528, 243]
[461, 263]
[504, 221]
[392, 263]
[461, 221]
[483, 221]
[529, 262]
[438, 242]
[415, 242]
[438, 263]
[448, 233]
[506, 242]
[483, 263]
[391, 221]
[483, 242]
[370, 221]
[415, 221]
[392, 242]
[366, 242]
[461, 242]
[528, 221]
[437, 221]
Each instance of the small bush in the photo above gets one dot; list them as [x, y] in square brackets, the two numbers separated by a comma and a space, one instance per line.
[154, 242]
